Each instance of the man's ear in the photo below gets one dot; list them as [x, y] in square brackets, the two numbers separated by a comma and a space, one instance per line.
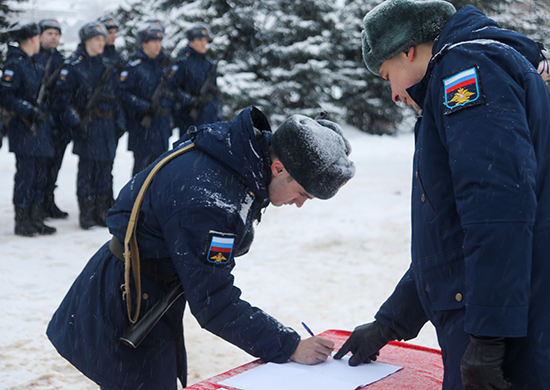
[277, 168]
[410, 54]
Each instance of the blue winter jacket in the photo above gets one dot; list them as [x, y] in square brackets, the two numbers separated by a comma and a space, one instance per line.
[191, 70]
[18, 93]
[57, 61]
[110, 54]
[210, 194]
[73, 90]
[481, 195]
[43, 57]
[138, 81]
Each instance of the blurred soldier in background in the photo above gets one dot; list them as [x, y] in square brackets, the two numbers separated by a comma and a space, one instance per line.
[143, 85]
[85, 100]
[28, 129]
[51, 61]
[112, 25]
[195, 82]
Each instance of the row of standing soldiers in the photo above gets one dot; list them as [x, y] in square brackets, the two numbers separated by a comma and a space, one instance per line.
[92, 98]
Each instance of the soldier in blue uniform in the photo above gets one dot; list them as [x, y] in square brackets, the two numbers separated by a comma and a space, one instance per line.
[149, 122]
[480, 194]
[195, 218]
[94, 141]
[111, 25]
[191, 72]
[28, 130]
[110, 53]
[51, 61]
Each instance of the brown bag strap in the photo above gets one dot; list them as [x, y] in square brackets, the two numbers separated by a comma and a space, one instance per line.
[131, 250]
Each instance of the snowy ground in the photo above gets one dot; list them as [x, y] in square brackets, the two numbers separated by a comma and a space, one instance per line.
[330, 264]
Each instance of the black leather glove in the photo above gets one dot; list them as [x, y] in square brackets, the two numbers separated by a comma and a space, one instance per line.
[37, 115]
[366, 341]
[481, 364]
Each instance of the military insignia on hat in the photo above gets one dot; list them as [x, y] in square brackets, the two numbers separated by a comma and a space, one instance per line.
[98, 28]
[219, 250]
[463, 89]
[8, 74]
[63, 74]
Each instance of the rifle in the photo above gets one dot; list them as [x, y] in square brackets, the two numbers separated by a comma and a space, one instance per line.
[98, 96]
[42, 92]
[159, 91]
[204, 93]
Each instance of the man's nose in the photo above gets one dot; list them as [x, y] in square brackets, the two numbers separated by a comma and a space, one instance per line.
[300, 202]
[396, 97]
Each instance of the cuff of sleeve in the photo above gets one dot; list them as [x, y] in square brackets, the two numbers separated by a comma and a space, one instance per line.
[496, 321]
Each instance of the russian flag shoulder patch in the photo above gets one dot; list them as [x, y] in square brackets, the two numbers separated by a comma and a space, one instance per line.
[8, 74]
[462, 89]
[219, 249]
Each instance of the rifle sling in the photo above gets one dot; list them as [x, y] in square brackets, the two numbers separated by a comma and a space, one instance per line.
[132, 264]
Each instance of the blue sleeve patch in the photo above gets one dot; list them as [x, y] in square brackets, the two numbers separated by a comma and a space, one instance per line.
[462, 89]
[219, 249]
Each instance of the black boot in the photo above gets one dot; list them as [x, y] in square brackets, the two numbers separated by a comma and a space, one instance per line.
[102, 205]
[87, 213]
[38, 211]
[51, 208]
[24, 225]
[36, 215]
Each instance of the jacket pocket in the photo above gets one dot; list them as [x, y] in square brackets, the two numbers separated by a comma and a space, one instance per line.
[420, 197]
[446, 289]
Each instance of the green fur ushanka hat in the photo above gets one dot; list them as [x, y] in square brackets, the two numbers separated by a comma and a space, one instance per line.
[397, 25]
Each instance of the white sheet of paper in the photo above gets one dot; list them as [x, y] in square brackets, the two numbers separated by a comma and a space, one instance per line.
[330, 375]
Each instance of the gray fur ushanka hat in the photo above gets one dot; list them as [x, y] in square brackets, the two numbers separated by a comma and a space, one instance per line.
[397, 25]
[315, 153]
[90, 30]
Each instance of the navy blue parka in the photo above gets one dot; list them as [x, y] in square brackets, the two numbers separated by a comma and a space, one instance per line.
[191, 70]
[18, 93]
[480, 202]
[44, 56]
[138, 82]
[73, 90]
[218, 191]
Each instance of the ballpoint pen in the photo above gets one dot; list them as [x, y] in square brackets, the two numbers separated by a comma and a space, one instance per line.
[308, 330]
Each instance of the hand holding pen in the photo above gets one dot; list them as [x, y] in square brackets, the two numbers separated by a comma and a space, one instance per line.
[313, 350]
